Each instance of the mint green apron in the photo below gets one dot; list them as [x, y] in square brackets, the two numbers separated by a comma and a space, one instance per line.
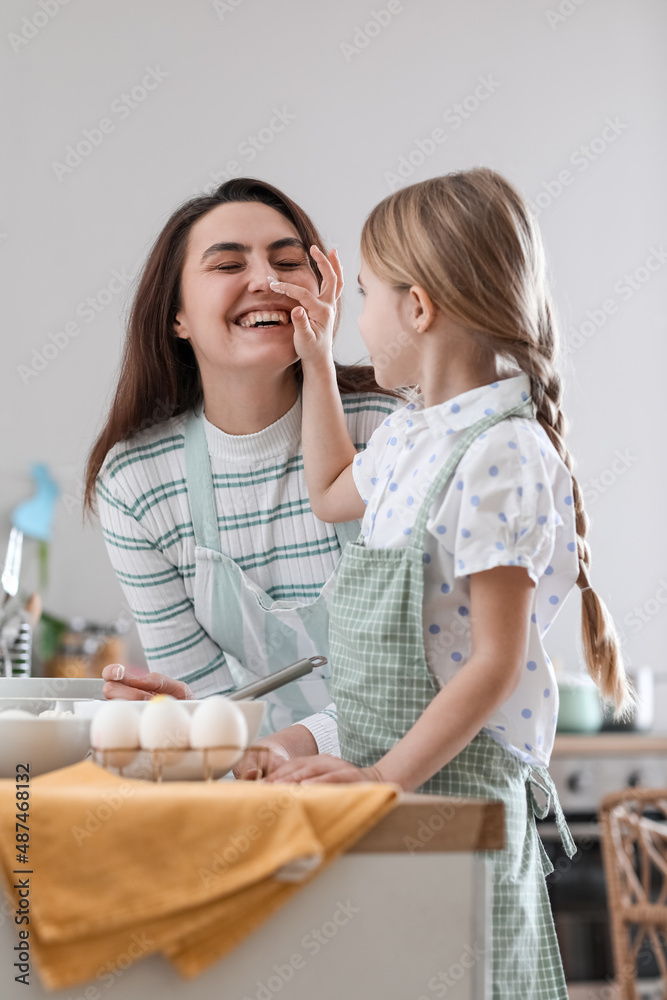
[256, 634]
[381, 684]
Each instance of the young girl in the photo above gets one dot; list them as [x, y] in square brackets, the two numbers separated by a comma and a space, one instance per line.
[473, 533]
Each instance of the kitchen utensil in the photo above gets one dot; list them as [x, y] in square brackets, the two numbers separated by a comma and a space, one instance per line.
[20, 651]
[278, 679]
[33, 609]
[12, 566]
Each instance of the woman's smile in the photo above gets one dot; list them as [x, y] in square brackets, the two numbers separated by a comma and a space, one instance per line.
[263, 316]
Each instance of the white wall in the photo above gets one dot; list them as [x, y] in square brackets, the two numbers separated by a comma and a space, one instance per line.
[556, 72]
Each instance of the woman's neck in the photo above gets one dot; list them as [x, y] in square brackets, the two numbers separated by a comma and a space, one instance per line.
[247, 402]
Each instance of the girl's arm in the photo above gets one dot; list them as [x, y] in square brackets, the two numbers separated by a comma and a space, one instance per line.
[328, 451]
[500, 603]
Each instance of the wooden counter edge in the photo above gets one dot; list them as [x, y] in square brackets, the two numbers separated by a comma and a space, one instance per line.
[596, 744]
[431, 823]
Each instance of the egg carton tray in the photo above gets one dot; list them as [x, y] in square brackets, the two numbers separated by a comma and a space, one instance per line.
[178, 764]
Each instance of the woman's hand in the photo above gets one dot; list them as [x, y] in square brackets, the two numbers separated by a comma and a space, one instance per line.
[314, 319]
[257, 764]
[323, 768]
[121, 683]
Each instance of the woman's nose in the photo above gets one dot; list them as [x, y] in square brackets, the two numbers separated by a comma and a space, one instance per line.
[257, 273]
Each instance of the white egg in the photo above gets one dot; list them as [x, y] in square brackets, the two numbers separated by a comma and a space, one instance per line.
[116, 727]
[219, 722]
[16, 713]
[164, 725]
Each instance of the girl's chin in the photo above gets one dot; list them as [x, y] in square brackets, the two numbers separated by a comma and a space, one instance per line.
[384, 380]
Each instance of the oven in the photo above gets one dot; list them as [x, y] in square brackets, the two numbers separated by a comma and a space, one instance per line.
[584, 770]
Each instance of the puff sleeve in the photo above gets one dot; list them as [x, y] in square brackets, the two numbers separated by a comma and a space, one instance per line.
[499, 509]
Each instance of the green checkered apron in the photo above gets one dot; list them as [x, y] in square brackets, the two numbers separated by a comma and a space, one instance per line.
[381, 684]
[256, 634]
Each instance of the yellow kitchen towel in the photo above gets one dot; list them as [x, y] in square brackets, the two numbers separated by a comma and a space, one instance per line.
[121, 868]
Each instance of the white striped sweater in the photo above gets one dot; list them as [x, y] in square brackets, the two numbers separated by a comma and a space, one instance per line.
[266, 526]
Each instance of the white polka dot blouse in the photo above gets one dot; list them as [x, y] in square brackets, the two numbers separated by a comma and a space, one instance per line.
[509, 503]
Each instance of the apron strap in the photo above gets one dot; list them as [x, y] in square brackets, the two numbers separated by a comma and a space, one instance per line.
[199, 481]
[524, 409]
[540, 778]
[347, 531]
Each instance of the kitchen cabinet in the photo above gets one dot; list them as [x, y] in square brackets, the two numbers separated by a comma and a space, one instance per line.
[403, 915]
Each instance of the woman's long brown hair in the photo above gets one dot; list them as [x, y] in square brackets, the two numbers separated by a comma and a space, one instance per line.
[159, 377]
[471, 242]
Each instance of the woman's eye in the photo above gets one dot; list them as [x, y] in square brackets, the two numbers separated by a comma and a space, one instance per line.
[227, 267]
[290, 263]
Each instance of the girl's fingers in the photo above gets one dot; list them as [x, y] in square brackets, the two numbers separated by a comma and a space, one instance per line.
[332, 282]
[286, 772]
[298, 292]
[332, 273]
[340, 777]
[292, 771]
[305, 769]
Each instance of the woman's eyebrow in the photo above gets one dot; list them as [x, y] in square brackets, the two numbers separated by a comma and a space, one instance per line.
[287, 241]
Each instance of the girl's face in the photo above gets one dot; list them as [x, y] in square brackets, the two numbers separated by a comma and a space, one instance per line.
[228, 312]
[386, 325]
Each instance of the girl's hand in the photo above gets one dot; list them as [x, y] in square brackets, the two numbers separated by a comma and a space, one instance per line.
[322, 768]
[287, 744]
[314, 319]
[120, 683]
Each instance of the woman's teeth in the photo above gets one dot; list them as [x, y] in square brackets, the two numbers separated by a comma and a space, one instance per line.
[261, 318]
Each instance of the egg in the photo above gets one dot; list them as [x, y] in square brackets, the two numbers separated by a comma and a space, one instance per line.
[115, 727]
[16, 713]
[164, 725]
[219, 722]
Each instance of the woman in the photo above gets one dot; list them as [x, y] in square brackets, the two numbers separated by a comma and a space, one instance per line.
[198, 473]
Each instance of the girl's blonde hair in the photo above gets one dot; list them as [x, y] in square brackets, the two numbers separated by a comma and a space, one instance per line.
[469, 240]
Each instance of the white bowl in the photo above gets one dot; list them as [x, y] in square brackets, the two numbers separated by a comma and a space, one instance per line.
[51, 687]
[44, 744]
[37, 694]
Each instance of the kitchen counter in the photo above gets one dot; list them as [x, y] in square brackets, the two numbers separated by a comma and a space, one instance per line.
[596, 744]
[404, 913]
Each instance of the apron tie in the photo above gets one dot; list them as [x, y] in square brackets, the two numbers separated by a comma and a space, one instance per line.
[540, 778]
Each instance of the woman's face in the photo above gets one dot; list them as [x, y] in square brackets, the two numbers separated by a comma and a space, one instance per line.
[228, 312]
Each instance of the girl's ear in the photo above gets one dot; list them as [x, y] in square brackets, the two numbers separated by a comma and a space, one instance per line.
[422, 309]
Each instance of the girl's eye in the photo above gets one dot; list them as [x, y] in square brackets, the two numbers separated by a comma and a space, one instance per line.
[361, 291]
